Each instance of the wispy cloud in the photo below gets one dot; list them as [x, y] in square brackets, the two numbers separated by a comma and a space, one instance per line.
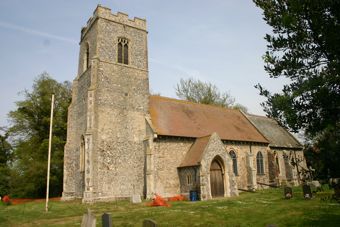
[183, 71]
[36, 32]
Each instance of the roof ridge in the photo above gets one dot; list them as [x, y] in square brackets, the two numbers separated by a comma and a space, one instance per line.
[255, 115]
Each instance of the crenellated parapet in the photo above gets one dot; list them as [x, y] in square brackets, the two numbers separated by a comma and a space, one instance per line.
[121, 18]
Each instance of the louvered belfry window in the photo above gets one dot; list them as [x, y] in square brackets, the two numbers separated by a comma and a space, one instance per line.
[123, 51]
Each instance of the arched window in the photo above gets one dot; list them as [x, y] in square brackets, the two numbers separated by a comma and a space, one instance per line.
[234, 158]
[259, 163]
[123, 51]
[87, 57]
[189, 179]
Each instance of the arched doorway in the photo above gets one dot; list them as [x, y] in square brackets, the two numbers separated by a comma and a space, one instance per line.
[216, 178]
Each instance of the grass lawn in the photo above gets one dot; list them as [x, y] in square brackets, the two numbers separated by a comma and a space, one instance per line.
[262, 208]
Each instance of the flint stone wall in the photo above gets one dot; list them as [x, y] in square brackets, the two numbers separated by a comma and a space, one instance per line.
[168, 154]
[242, 150]
[186, 187]
[76, 128]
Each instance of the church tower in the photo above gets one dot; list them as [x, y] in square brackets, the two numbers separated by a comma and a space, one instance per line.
[104, 155]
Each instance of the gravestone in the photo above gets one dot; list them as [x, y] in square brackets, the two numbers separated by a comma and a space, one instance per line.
[149, 223]
[89, 220]
[287, 192]
[136, 199]
[337, 191]
[106, 220]
[307, 192]
[315, 185]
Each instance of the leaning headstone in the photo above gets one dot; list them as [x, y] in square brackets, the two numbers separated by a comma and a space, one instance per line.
[89, 220]
[307, 192]
[149, 223]
[106, 220]
[287, 192]
[136, 199]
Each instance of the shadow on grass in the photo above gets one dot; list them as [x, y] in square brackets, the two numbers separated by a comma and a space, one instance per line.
[322, 220]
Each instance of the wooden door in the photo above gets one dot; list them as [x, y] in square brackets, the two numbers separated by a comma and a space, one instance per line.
[216, 179]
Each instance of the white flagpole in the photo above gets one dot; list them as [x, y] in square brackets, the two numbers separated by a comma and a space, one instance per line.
[49, 155]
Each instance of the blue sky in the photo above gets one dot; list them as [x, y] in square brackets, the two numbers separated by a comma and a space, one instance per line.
[217, 41]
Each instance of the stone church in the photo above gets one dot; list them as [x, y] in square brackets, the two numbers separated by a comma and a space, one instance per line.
[122, 141]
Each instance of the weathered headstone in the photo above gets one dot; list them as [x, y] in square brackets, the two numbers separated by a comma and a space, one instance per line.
[307, 192]
[287, 192]
[106, 220]
[149, 223]
[136, 199]
[315, 185]
[89, 220]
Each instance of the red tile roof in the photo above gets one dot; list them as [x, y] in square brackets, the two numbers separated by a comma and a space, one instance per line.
[195, 153]
[174, 117]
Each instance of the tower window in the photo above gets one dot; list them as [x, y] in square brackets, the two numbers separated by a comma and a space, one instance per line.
[123, 51]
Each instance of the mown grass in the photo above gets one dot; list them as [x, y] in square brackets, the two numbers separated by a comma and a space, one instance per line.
[262, 208]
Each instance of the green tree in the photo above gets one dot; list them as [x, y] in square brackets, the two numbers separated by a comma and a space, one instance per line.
[30, 132]
[5, 158]
[205, 93]
[305, 47]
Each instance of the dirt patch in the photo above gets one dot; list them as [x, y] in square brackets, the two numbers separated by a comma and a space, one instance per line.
[21, 201]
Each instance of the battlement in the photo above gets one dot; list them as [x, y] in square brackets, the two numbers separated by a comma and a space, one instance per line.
[122, 18]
